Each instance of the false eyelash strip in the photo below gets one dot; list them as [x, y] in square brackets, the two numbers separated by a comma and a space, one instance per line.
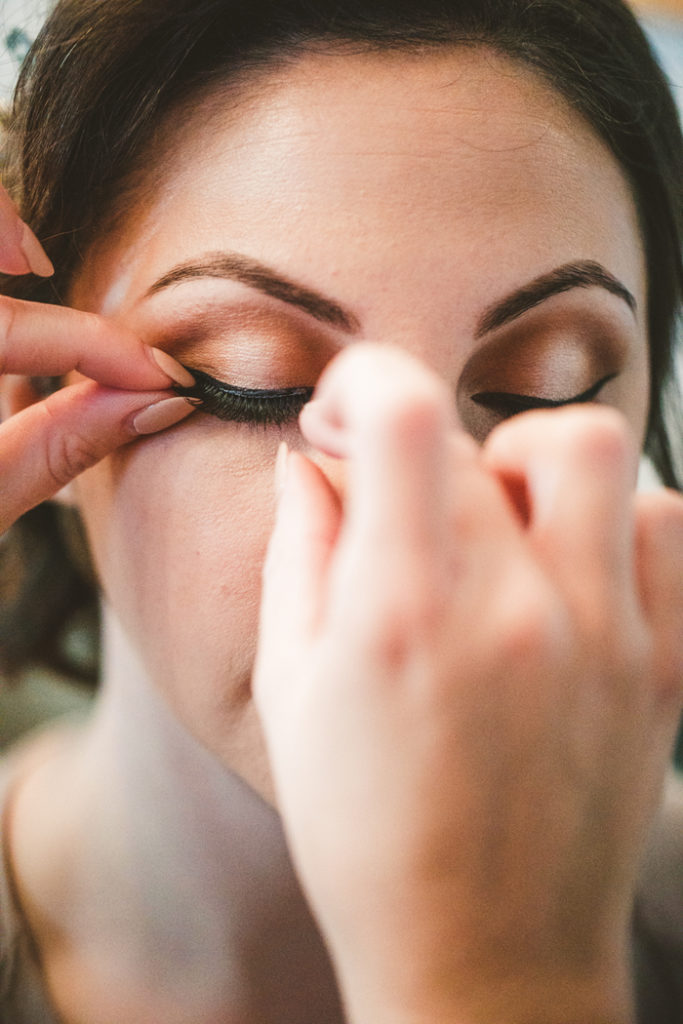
[244, 405]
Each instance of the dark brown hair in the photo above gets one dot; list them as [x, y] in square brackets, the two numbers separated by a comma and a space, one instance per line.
[104, 73]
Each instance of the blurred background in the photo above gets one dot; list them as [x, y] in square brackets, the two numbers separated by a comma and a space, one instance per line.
[42, 695]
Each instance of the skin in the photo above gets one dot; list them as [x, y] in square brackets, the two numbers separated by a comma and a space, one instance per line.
[393, 186]
[302, 186]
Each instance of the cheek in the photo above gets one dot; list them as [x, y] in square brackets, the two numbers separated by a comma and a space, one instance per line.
[179, 526]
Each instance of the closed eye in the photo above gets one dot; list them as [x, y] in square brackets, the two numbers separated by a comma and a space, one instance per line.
[267, 407]
[507, 404]
[279, 406]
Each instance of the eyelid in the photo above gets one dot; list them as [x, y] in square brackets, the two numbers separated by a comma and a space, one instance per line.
[509, 403]
[278, 406]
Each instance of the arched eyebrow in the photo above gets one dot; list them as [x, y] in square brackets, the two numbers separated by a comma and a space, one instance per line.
[583, 274]
[235, 266]
[246, 270]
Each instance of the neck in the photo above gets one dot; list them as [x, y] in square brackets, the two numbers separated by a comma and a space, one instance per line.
[168, 878]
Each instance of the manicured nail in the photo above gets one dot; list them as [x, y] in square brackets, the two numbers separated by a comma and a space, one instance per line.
[172, 368]
[35, 255]
[161, 415]
[281, 468]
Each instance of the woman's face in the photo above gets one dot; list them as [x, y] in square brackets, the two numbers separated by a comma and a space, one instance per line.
[450, 204]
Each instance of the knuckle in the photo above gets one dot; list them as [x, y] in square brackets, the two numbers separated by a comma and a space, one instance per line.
[531, 630]
[629, 650]
[98, 328]
[406, 625]
[523, 636]
[68, 455]
[610, 633]
[465, 526]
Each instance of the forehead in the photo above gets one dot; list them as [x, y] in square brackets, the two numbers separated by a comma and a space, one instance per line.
[389, 175]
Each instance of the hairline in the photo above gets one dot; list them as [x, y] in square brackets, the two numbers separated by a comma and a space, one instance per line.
[247, 82]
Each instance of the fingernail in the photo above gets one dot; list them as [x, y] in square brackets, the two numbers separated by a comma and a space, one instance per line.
[281, 468]
[35, 255]
[161, 415]
[172, 368]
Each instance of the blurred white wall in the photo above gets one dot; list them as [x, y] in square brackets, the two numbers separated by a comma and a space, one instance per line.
[665, 28]
[20, 21]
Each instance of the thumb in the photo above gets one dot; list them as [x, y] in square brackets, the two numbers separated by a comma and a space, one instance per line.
[295, 571]
[20, 250]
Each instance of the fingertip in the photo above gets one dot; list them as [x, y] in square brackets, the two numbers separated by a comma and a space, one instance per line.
[666, 504]
[25, 255]
[37, 259]
[160, 415]
[321, 429]
[659, 520]
[174, 370]
[12, 260]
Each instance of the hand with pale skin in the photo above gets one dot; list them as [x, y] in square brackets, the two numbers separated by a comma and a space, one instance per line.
[45, 444]
[469, 677]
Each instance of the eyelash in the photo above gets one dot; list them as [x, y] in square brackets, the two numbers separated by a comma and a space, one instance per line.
[233, 404]
[506, 404]
[279, 406]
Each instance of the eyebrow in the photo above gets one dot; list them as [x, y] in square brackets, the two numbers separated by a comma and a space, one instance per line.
[583, 274]
[234, 266]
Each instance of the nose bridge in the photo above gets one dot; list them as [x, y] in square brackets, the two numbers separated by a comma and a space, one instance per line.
[439, 341]
[440, 344]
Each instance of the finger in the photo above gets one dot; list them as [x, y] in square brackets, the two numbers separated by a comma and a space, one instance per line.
[16, 393]
[20, 250]
[48, 444]
[37, 339]
[577, 469]
[421, 513]
[295, 569]
[659, 559]
[390, 417]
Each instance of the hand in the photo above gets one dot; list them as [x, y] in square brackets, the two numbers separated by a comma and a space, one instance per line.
[48, 443]
[469, 676]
